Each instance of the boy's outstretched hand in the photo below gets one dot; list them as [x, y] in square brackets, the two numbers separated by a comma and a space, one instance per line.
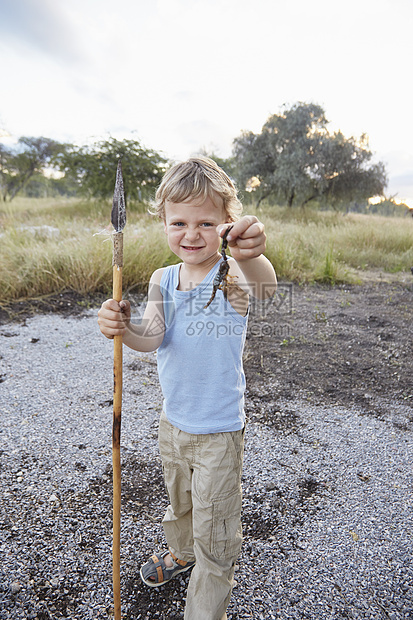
[114, 317]
[246, 239]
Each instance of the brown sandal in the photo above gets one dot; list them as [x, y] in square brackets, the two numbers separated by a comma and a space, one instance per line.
[155, 572]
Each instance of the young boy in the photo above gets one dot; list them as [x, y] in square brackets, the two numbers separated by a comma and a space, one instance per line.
[200, 345]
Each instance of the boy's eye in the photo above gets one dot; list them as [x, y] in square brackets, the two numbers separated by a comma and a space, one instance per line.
[207, 224]
[177, 224]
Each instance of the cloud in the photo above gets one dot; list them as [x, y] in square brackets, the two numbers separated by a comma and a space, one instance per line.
[203, 134]
[188, 74]
[39, 26]
[403, 180]
[402, 186]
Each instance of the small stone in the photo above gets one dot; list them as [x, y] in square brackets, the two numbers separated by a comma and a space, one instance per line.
[15, 587]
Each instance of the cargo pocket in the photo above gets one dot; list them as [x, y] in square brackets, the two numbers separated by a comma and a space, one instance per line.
[226, 537]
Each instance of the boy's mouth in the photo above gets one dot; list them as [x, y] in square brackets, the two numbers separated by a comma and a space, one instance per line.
[191, 248]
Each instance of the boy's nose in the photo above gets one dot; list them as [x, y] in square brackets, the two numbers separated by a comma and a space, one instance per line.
[192, 234]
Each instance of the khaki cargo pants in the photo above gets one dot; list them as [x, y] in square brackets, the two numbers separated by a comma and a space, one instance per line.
[203, 521]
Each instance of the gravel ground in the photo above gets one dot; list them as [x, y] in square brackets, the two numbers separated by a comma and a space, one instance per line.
[327, 493]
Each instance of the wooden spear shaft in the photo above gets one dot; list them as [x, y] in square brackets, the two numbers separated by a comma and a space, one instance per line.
[117, 410]
[118, 218]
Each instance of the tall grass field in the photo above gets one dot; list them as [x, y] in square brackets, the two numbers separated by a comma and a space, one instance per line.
[51, 245]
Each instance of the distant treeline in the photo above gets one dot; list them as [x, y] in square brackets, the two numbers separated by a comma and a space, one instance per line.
[294, 161]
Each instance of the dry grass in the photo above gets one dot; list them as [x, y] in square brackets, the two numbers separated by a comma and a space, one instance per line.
[51, 245]
[333, 247]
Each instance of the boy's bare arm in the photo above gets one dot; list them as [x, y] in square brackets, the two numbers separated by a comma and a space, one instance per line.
[256, 276]
[115, 319]
[255, 273]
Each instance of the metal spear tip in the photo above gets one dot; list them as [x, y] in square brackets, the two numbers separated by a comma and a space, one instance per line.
[118, 216]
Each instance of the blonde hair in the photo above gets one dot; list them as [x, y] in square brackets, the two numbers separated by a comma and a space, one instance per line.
[198, 178]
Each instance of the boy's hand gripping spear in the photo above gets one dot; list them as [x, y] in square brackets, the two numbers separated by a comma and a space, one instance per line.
[118, 219]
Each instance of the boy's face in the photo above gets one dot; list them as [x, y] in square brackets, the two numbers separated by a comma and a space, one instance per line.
[191, 229]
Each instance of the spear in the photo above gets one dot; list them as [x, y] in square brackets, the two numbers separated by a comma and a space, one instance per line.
[118, 218]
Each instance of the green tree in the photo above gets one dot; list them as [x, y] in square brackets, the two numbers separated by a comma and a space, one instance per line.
[296, 159]
[41, 186]
[282, 154]
[93, 168]
[19, 165]
[343, 172]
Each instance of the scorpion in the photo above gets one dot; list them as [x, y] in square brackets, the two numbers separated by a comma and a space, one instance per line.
[221, 279]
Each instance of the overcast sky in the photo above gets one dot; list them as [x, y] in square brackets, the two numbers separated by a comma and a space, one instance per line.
[181, 75]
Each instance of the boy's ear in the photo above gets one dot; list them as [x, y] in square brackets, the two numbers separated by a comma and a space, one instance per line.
[165, 228]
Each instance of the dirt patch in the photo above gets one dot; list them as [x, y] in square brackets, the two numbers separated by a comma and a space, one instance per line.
[345, 345]
[68, 303]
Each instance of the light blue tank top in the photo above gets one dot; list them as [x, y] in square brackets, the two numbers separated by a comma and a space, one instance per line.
[200, 359]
